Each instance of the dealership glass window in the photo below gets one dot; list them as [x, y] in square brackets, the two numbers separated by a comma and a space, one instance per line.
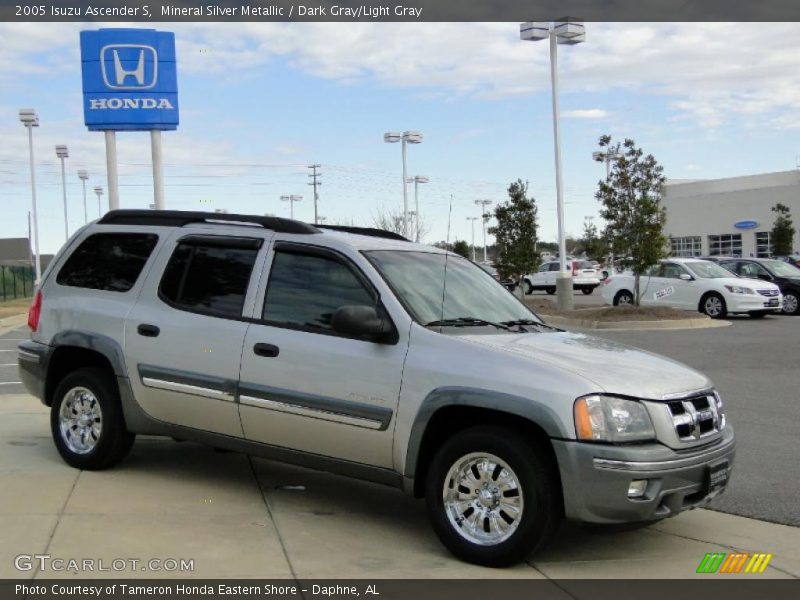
[763, 244]
[686, 247]
[726, 244]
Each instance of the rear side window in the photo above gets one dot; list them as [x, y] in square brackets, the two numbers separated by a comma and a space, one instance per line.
[108, 261]
[585, 264]
[210, 278]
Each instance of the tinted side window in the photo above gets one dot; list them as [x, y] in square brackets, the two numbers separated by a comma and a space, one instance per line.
[305, 290]
[108, 261]
[554, 266]
[208, 279]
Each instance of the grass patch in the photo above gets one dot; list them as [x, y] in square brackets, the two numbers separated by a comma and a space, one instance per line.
[9, 308]
[613, 313]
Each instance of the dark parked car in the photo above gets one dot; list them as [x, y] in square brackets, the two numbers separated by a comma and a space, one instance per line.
[506, 283]
[785, 275]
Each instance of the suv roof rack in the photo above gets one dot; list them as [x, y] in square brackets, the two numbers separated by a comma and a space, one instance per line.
[179, 218]
[370, 231]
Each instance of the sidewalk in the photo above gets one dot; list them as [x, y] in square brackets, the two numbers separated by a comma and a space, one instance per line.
[237, 517]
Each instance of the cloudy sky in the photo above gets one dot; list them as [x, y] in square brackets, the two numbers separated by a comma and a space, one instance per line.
[259, 102]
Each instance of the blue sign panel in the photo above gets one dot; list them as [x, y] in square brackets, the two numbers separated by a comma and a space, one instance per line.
[130, 80]
[746, 224]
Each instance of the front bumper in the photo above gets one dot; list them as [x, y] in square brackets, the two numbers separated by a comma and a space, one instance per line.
[595, 479]
[745, 303]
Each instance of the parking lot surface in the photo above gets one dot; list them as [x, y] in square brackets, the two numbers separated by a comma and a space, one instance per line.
[235, 516]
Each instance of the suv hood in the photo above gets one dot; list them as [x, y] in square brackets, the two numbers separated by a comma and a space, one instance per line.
[612, 367]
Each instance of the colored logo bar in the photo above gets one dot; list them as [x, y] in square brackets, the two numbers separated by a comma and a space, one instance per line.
[734, 563]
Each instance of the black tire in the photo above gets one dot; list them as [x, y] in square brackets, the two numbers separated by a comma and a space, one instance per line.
[709, 300]
[757, 314]
[794, 301]
[113, 441]
[587, 290]
[550, 290]
[541, 509]
[623, 297]
[528, 287]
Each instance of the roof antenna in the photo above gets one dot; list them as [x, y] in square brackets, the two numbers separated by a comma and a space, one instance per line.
[447, 252]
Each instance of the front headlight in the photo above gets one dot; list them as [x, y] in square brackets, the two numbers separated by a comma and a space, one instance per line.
[611, 419]
[737, 289]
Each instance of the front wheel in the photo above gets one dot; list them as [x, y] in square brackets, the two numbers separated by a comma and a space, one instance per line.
[550, 290]
[623, 298]
[86, 420]
[491, 498]
[790, 304]
[528, 287]
[713, 305]
[587, 290]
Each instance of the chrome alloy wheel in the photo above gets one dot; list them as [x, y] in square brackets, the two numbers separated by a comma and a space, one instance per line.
[483, 499]
[789, 304]
[80, 420]
[713, 306]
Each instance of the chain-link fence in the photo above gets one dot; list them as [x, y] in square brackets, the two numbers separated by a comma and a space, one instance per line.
[16, 282]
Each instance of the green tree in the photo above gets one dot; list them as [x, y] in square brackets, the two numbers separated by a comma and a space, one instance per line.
[515, 233]
[632, 209]
[782, 235]
[461, 247]
[591, 242]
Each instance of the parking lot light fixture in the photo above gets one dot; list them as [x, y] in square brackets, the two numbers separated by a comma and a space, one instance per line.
[568, 31]
[30, 119]
[484, 218]
[83, 175]
[473, 219]
[291, 200]
[407, 137]
[62, 153]
[98, 189]
[417, 179]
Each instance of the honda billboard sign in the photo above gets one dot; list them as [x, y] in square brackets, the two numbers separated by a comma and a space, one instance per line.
[129, 80]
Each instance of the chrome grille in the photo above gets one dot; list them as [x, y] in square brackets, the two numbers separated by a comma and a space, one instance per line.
[768, 293]
[697, 417]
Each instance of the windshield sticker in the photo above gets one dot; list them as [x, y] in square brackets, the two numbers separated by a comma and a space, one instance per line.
[664, 292]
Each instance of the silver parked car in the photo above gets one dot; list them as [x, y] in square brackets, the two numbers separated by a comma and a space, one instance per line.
[358, 352]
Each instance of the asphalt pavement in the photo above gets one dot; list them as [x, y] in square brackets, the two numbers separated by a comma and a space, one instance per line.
[9, 378]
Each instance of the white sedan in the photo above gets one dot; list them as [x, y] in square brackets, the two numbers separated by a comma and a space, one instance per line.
[693, 284]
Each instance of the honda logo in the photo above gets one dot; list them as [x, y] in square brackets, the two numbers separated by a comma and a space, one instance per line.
[129, 66]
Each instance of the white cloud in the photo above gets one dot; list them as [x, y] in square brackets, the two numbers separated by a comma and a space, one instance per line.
[585, 113]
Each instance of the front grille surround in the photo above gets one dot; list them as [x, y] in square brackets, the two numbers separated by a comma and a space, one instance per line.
[684, 422]
[768, 293]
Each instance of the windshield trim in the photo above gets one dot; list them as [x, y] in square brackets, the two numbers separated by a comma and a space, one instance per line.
[366, 253]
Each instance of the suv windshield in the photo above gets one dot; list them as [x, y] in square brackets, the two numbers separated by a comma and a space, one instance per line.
[782, 269]
[708, 270]
[418, 279]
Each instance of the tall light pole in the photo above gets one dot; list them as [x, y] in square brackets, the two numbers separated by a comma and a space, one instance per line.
[483, 204]
[417, 179]
[30, 119]
[62, 153]
[314, 181]
[291, 200]
[407, 137]
[473, 219]
[570, 32]
[607, 156]
[98, 189]
[83, 176]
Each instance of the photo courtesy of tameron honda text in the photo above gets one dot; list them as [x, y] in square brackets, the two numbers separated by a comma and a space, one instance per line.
[130, 84]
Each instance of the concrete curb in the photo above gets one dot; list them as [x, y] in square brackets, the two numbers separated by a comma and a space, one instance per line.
[701, 323]
[13, 321]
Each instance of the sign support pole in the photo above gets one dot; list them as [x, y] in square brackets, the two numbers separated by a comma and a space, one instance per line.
[111, 170]
[158, 169]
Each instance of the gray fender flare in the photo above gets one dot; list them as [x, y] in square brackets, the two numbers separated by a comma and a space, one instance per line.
[439, 398]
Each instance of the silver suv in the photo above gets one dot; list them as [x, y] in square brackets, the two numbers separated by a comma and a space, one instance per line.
[358, 352]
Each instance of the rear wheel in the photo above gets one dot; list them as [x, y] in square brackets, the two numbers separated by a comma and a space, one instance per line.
[623, 298]
[550, 290]
[790, 304]
[713, 305]
[86, 420]
[491, 498]
[587, 290]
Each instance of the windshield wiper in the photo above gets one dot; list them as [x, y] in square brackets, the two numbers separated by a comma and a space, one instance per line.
[522, 322]
[466, 321]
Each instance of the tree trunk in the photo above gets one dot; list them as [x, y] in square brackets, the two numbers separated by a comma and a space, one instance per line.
[636, 290]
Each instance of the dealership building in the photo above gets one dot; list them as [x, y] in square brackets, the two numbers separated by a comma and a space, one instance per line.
[728, 217]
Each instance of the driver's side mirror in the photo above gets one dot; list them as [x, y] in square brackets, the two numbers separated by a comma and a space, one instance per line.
[687, 277]
[363, 322]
